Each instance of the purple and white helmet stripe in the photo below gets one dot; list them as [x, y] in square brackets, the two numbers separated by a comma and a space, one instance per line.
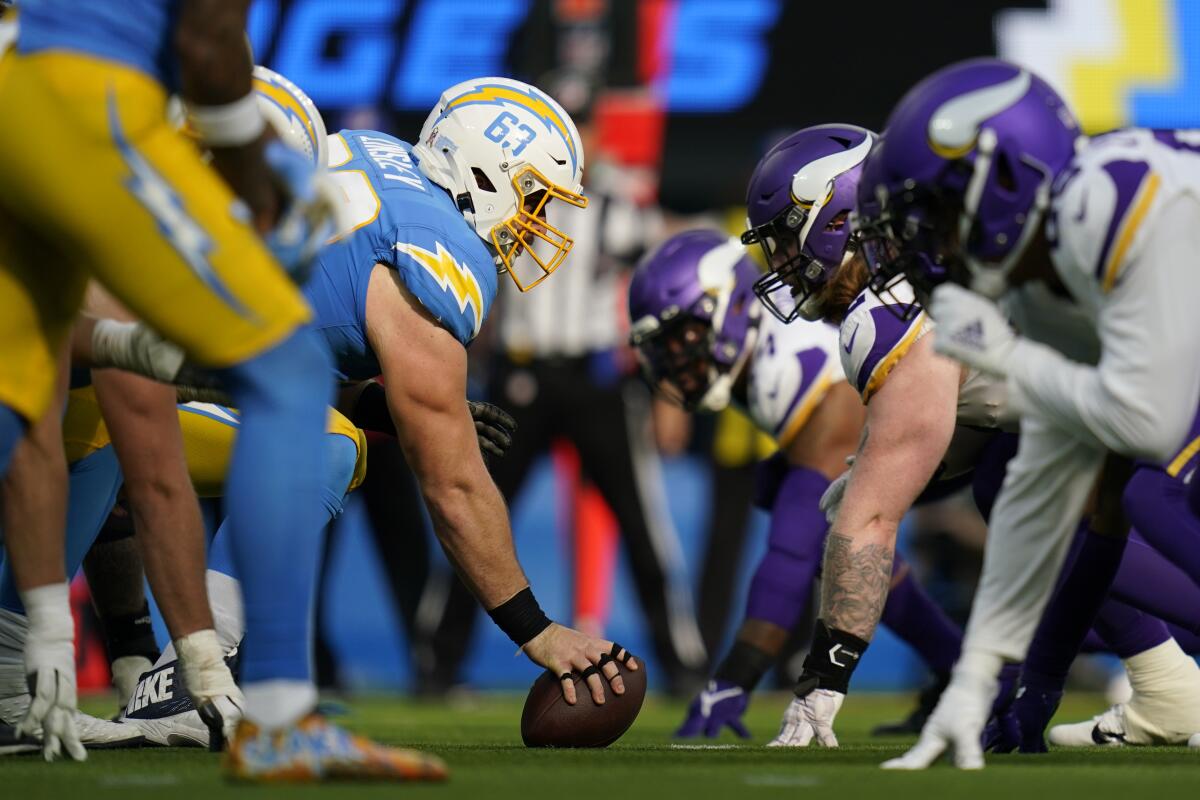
[972, 152]
[797, 207]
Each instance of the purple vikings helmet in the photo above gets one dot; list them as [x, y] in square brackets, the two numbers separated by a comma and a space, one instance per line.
[693, 317]
[959, 187]
[798, 206]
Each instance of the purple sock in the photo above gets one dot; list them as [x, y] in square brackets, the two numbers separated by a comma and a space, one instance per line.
[1148, 581]
[782, 584]
[1127, 631]
[1157, 505]
[989, 470]
[1083, 587]
[914, 617]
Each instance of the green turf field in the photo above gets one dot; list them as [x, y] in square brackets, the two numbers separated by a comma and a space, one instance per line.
[481, 742]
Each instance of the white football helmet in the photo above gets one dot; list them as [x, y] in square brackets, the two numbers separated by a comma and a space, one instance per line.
[504, 149]
[291, 114]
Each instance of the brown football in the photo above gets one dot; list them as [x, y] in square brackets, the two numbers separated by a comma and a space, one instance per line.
[548, 721]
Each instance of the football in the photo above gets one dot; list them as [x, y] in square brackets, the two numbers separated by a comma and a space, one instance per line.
[547, 720]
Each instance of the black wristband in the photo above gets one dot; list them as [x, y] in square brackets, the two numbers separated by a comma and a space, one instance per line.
[745, 665]
[520, 617]
[831, 660]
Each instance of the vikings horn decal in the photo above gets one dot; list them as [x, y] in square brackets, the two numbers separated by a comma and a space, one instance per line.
[812, 186]
[954, 126]
[715, 268]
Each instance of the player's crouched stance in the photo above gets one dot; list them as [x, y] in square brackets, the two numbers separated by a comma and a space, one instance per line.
[401, 291]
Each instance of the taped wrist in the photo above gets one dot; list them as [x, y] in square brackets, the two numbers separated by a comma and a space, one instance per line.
[520, 617]
[744, 666]
[831, 661]
[130, 635]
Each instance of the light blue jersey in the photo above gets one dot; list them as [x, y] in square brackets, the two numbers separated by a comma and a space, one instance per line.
[398, 218]
[139, 33]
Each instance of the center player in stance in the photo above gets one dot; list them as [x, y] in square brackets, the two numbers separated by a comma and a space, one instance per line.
[704, 342]
[405, 288]
[985, 182]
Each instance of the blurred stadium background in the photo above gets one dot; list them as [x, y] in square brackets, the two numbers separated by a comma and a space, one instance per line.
[695, 92]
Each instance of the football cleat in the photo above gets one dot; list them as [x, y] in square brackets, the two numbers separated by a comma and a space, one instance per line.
[12, 742]
[314, 749]
[94, 733]
[1103, 730]
[1118, 726]
[161, 706]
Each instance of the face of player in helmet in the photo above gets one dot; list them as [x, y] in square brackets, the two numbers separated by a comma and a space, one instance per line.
[796, 282]
[678, 361]
[913, 237]
[530, 233]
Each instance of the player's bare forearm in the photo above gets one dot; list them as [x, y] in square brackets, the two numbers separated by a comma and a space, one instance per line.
[468, 512]
[910, 423]
[425, 372]
[854, 583]
[215, 69]
[143, 423]
[33, 498]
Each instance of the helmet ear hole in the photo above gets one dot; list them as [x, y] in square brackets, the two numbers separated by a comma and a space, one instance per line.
[839, 220]
[482, 180]
[1005, 177]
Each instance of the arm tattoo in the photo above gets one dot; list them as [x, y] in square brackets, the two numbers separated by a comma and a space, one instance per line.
[855, 584]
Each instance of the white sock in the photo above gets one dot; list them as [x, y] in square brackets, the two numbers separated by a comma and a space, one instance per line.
[225, 600]
[1166, 695]
[278, 703]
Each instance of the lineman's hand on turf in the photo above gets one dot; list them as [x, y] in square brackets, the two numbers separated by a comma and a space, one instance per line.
[956, 725]
[721, 703]
[564, 651]
[50, 671]
[494, 428]
[810, 717]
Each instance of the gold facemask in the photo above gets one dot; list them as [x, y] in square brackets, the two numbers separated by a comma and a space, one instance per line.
[518, 234]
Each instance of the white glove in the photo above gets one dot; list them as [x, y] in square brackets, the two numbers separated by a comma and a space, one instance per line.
[809, 716]
[137, 348]
[209, 683]
[958, 721]
[50, 670]
[831, 500]
[972, 329]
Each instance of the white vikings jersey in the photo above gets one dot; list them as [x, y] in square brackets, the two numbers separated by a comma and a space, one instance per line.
[793, 368]
[874, 339]
[1124, 228]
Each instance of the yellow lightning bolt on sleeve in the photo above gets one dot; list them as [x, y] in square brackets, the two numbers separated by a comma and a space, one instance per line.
[449, 274]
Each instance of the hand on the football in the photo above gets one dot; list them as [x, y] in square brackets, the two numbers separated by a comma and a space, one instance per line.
[810, 717]
[494, 428]
[971, 329]
[955, 725]
[720, 704]
[564, 651]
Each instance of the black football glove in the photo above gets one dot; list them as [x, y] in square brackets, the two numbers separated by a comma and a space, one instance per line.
[493, 426]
